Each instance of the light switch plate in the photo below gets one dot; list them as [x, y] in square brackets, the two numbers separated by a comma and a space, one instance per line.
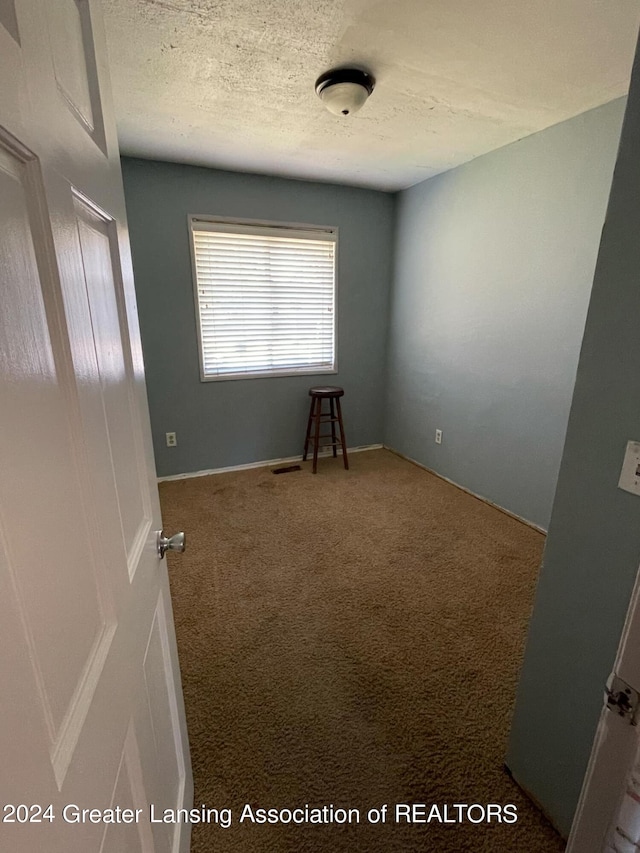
[630, 474]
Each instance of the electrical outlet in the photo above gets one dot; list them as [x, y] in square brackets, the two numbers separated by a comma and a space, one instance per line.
[171, 439]
[438, 436]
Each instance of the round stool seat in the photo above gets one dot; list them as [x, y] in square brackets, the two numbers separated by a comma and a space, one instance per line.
[326, 391]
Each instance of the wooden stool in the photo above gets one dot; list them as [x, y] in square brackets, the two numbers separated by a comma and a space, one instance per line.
[333, 416]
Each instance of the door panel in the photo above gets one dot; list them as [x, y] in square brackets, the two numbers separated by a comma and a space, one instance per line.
[72, 50]
[64, 547]
[158, 687]
[164, 719]
[132, 837]
[98, 245]
[69, 58]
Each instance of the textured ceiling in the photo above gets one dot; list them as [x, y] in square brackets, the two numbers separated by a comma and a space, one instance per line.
[230, 83]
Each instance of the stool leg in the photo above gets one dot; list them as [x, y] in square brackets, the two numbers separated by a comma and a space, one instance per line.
[333, 428]
[317, 435]
[342, 438]
[306, 440]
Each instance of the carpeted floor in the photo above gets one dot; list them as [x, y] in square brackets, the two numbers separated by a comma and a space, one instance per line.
[354, 639]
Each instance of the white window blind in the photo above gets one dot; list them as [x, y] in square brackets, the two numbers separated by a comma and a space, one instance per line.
[265, 299]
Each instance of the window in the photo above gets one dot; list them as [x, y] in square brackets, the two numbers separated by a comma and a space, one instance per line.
[265, 299]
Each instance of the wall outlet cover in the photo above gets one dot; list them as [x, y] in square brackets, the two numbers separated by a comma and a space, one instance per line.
[630, 474]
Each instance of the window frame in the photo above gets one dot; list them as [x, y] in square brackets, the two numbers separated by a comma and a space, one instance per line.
[292, 229]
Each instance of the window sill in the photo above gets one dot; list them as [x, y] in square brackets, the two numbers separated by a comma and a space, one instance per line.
[227, 377]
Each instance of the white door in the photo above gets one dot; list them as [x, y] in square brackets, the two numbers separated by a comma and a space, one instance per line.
[608, 813]
[91, 711]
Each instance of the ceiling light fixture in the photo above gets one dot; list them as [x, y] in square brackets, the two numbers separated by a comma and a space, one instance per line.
[344, 91]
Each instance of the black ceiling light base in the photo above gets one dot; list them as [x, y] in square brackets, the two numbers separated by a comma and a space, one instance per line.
[344, 90]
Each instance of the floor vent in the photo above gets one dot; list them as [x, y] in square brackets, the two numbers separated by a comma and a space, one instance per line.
[287, 469]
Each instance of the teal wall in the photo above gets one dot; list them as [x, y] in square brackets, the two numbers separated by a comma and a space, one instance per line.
[593, 548]
[219, 424]
[493, 269]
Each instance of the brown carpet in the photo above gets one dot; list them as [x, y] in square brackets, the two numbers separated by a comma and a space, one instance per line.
[351, 638]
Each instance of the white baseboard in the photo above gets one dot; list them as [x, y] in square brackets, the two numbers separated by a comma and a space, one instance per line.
[468, 491]
[266, 463]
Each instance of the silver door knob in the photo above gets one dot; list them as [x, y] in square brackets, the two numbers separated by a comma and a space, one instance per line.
[177, 542]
